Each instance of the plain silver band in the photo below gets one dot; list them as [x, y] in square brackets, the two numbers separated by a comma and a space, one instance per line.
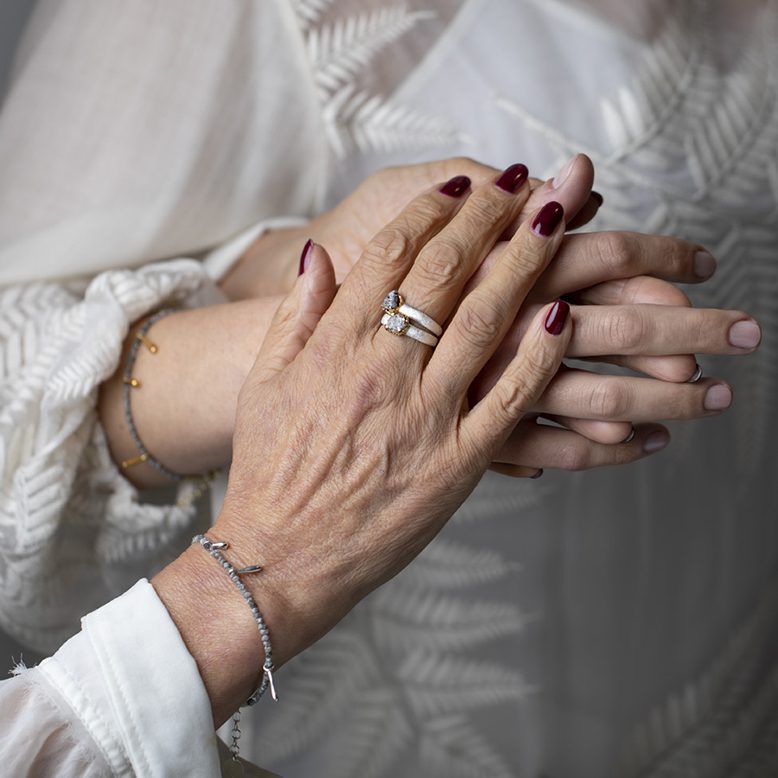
[696, 377]
[420, 318]
[414, 332]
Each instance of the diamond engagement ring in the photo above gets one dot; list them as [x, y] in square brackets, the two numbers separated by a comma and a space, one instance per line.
[399, 324]
[401, 319]
[394, 303]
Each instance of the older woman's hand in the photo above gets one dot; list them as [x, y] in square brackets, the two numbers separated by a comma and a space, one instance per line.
[353, 446]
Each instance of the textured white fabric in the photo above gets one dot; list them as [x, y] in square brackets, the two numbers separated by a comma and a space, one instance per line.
[110, 702]
[588, 625]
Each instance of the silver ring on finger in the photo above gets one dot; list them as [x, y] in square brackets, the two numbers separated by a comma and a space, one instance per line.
[394, 303]
[696, 377]
[399, 324]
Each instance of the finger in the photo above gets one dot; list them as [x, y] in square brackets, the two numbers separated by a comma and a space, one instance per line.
[647, 290]
[435, 282]
[589, 210]
[590, 258]
[542, 447]
[516, 471]
[299, 312]
[632, 291]
[655, 330]
[485, 315]
[587, 395]
[489, 423]
[677, 368]
[571, 188]
[608, 432]
[386, 259]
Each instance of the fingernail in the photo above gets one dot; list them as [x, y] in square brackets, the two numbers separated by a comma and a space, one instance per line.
[598, 197]
[537, 475]
[656, 441]
[704, 264]
[456, 186]
[557, 316]
[718, 398]
[745, 334]
[512, 178]
[305, 257]
[548, 219]
[562, 176]
[629, 437]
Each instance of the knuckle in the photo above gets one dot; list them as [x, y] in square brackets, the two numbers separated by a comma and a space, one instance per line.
[390, 246]
[439, 263]
[513, 399]
[616, 252]
[527, 254]
[609, 400]
[483, 211]
[625, 331]
[479, 321]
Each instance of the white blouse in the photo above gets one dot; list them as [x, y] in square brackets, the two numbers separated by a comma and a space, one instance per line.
[618, 622]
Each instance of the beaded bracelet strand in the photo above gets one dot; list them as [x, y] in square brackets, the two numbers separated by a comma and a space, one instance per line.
[130, 383]
[215, 548]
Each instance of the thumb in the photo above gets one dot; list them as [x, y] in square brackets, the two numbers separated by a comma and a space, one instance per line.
[299, 312]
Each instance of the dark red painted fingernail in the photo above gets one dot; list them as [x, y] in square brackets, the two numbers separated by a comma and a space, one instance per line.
[548, 219]
[598, 197]
[557, 316]
[305, 257]
[513, 178]
[537, 475]
[456, 186]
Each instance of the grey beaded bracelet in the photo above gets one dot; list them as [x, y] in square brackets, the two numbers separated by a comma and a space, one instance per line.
[130, 383]
[215, 548]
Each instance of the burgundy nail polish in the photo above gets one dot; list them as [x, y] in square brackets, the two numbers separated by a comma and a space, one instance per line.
[512, 178]
[599, 199]
[456, 186]
[305, 257]
[557, 316]
[548, 219]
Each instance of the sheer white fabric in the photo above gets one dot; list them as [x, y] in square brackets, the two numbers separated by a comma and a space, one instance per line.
[582, 625]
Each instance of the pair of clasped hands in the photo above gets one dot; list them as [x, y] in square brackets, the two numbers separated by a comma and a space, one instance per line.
[352, 446]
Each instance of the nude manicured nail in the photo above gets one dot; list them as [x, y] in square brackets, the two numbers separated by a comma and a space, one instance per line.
[456, 186]
[305, 257]
[513, 178]
[745, 334]
[718, 398]
[656, 441]
[704, 264]
[548, 219]
[557, 316]
[564, 173]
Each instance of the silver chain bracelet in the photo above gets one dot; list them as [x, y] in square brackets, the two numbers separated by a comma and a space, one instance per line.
[215, 548]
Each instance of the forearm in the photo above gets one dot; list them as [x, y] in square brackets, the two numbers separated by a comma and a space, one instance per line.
[184, 408]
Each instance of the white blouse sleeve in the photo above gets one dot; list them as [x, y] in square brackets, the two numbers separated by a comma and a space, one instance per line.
[121, 698]
[74, 531]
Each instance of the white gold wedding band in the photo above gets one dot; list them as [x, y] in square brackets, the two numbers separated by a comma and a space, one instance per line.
[399, 324]
[394, 303]
[421, 318]
[696, 377]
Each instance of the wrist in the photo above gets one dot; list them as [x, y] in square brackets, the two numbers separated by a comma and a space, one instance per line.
[269, 266]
